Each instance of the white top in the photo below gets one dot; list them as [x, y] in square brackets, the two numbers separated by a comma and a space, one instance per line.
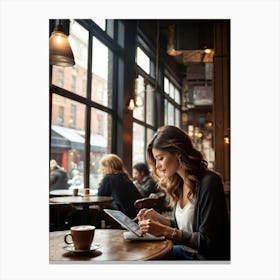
[184, 218]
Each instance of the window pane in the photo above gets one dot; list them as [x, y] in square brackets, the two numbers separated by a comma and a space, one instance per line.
[101, 22]
[102, 65]
[121, 34]
[170, 114]
[139, 112]
[143, 60]
[67, 135]
[110, 28]
[138, 149]
[100, 142]
[74, 78]
[172, 89]
[165, 112]
[150, 112]
[177, 96]
[150, 134]
[177, 118]
[166, 85]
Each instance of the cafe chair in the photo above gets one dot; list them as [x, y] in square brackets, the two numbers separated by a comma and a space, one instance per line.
[155, 201]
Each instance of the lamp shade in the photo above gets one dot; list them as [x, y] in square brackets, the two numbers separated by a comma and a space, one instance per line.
[131, 105]
[60, 50]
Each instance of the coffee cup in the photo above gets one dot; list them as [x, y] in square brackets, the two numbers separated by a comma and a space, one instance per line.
[81, 237]
[75, 191]
[86, 191]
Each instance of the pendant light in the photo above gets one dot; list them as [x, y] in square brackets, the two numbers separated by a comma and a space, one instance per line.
[131, 105]
[136, 101]
[60, 50]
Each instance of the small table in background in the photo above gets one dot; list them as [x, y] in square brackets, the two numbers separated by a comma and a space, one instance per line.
[84, 201]
[67, 192]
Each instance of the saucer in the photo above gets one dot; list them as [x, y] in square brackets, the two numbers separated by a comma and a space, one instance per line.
[71, 248]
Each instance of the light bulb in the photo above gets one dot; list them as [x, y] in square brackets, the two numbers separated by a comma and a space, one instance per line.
[131, 104]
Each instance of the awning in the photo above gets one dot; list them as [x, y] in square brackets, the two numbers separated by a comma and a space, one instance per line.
[64, 137]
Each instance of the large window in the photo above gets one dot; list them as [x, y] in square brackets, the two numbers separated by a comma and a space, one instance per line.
[80, 98]
[144, 115]
[89, 117]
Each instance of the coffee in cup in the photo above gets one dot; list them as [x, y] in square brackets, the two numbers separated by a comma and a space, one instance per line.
[82, 236]
[86, 191]
[75, 191]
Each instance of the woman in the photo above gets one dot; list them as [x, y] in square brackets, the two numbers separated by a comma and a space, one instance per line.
[118, 184]
[199, 228]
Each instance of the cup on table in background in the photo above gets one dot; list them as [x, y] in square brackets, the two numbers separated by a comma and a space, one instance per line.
[86, 192]
[75, 191]
[82, 237]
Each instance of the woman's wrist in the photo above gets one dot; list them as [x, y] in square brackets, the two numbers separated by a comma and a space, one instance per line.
[172, 233]
[163, 220]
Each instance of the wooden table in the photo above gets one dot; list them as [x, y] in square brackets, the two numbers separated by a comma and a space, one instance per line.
[84, 201]
[67, 192]
[113, 248]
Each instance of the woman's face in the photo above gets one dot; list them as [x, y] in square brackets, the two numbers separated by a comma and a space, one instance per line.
[166, 163]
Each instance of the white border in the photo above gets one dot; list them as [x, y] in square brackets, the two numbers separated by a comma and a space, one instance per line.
[254, 128]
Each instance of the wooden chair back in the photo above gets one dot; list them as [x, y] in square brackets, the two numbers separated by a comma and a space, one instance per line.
[158, 203]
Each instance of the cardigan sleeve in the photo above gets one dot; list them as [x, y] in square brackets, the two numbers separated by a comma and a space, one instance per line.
[208, 216]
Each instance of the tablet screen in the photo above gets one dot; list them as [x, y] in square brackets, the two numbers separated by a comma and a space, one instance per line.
[125, 221]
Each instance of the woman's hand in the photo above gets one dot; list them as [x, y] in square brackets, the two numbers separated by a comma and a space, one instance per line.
[145, 214]
[152, 227]
[151, 214]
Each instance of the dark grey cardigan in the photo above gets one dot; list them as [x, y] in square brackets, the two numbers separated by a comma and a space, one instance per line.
[211, 234]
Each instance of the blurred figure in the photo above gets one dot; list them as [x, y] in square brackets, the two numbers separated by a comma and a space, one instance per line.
[77, 180]
[146, 185]
[58, 176]
[73, 166]
[116, 182]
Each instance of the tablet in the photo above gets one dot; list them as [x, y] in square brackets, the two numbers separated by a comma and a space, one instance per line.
[126, 222]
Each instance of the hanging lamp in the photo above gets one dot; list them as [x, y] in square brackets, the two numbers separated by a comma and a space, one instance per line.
[60, 50]
[131, 105]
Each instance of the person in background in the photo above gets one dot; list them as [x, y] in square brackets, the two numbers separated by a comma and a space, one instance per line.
[116, 182]
[58, 176]
[73, 166]
[200, 226]
[145, 184]
[77, 180]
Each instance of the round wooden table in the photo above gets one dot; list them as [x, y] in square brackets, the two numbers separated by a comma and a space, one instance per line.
[84, 201]
[113, 247]
[67, 192]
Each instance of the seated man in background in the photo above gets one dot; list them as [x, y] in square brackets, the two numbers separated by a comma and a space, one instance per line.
[144, 182]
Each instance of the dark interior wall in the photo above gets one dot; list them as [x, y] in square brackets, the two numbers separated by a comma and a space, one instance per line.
[222, 96]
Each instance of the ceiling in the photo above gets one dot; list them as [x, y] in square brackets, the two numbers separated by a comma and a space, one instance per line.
[187, 46]
[190, 38]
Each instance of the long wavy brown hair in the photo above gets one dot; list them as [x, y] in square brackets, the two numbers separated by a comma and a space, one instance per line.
[173, 140]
